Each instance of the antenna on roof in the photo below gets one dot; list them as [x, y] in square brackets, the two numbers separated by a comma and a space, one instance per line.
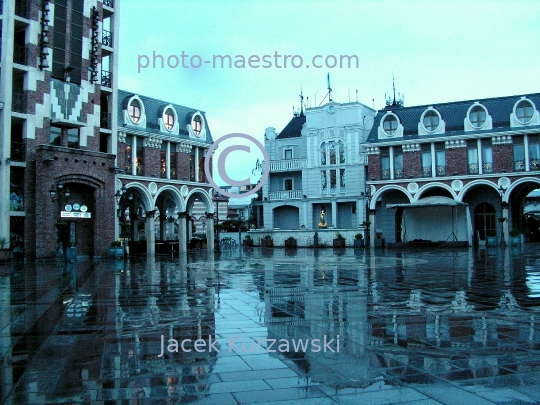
[357, 96]
[301, 103]
[307, 103]
[329, 87]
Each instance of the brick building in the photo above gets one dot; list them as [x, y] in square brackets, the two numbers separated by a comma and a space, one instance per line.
[160, 165]
[453, 172]
[57, 137]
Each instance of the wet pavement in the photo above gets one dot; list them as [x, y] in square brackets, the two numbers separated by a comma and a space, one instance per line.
[304, 326]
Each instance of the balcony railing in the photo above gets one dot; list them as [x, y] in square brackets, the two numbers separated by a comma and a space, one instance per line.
[487, 167]
[17, 102]
[106, 78]
[17, 151]
[519, 165]
[473, 168]
[19, 54]
[534, 164]
[441, 170]
[107, 38]
[108, 3]
[16, 203]
[385, 174]
[426, 171]
[172, 174]
[287, 164]
[105, 120]
[286, 195]
[398, 173]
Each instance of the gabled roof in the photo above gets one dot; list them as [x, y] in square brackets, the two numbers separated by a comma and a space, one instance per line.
[154, 110]
[293, 129]
[453, 114]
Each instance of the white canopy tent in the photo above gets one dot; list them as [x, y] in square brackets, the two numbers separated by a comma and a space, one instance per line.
[435, 219]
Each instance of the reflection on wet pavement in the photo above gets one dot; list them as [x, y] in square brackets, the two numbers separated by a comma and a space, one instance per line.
[303, 326]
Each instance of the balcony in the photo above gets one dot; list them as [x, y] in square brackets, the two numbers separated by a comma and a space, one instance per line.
[286, 195]
[108, 3]
[287, 165]
[105, 120]
[19, 54]
[17, 102]
[17, 151]
[106, 38]
[106, 79]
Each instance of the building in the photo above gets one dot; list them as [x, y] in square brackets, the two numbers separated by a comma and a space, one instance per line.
[453, 172]
[316, 166]
[58, 80]
[160, 174]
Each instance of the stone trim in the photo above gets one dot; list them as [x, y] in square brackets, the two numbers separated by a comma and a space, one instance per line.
[153, 142]
[501, 140]
[373, 150]
[122, 137]
[411, 147]
[183, 147]
[453, 144]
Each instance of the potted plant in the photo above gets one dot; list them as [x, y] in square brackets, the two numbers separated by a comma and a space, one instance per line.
[116, 249]
[248, 242]
[267, 241]
[515, 237]
[4, 250]
[339, 241]
[358, 241]
[291, 242]
[491, 238]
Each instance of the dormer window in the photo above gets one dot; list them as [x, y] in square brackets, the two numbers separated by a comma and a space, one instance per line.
[431, 121]
[135, 111]
[390, 124]
[197, 125]
[168, 119]
[477, 116]
[524, 111]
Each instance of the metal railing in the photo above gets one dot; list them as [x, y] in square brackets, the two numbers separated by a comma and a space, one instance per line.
[534, 164]
[487, 167]
[285, 195]
[519, 165]
[19, 54]
[473, 168]
[106, 78]
[398, 173]
[426, 171]
[441, 170]
[17, 151]
[16, 203]
[105, 120]
[106, 38]
[17, 102]
[287, 164]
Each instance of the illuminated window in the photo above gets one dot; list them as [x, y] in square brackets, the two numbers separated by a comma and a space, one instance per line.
[197, 125]
[135, 111]
[168, 119]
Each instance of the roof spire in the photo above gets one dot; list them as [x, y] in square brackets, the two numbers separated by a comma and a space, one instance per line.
[395, 102]
[301, 103]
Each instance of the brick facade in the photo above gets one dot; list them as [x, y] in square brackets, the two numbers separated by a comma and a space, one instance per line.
[374, 167]
[456, 161]
[503, 158]
[412, 164]
[152, 162]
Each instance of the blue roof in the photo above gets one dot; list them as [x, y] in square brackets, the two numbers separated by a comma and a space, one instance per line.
[453, 114]
[293, 129]
[154, 110]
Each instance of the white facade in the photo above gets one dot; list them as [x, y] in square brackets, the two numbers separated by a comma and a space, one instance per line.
[316, 163]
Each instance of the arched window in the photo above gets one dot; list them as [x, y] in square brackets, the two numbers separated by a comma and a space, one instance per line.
[197, 125]
[477, 116]
[135, 111]
[390, 125]
[431, 121]
[484, 220]
[333, 153]
[333, 180]
[168, 119]
[524, 112]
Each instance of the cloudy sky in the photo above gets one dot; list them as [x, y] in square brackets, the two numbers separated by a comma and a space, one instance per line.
[437, 51]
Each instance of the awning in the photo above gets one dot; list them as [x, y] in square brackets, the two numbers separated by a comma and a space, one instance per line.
[435, 201]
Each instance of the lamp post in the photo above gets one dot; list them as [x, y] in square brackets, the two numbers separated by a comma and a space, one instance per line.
[502, 218]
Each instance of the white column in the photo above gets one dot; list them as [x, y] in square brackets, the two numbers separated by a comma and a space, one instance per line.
[182, 242]
[334, 214]
[372, 229]
[134, 156]
[196, 164]
[479, 155]
[168, 160]
[526, 147]
[391, 162]
[210, 232]
[433, 161]
[150, 234]
[304, 214]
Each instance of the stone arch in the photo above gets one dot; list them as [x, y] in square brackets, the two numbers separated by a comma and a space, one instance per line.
[384, 189]
[203, 195]
[176, 196]
[475, 183]
[515, 184]
[145, 195]
[287, 217]
[432, 185]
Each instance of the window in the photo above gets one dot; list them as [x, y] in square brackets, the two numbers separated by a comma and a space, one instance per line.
[487, 156]
[324, 182]
[135, 111]
[333, 181]
[477, 116]
[342, 182]
[534, 152]
[426, 160]
[68, 26]
[385, 164]
[331, 152]
[390, 125]
[431, 121]
[398, 165]
[288, 184]
[172, 163]
[524, 112]
[73, 138]
[168, 119]
[55, 137]
[288, 153]
[472, 157]
[163, 157]
[128, 155]
[519, 154]
[440, 159]
[197, 125]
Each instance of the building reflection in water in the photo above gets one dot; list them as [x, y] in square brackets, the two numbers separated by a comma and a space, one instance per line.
[92, 331]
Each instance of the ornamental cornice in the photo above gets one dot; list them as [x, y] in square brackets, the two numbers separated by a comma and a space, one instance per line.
[501, 140]
[153, 142]
[121, 137]
[454, 144]
[411, 147]
[373, 150]
[183, 147]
